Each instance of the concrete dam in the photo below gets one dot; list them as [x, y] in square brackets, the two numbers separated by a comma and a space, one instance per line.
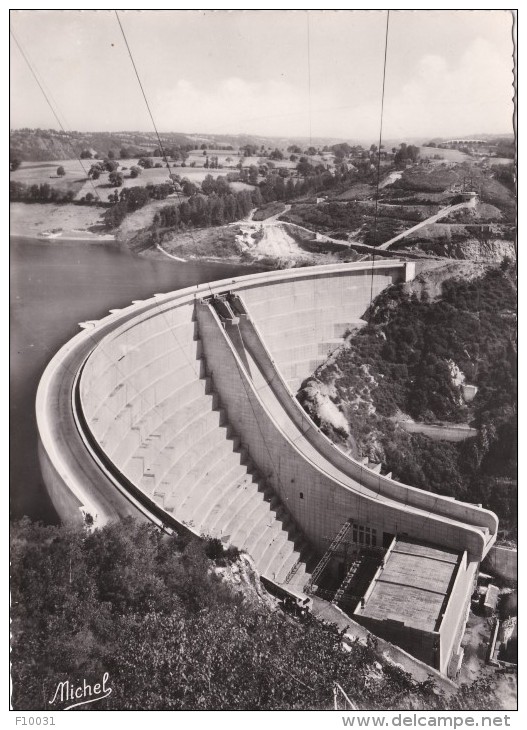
[181, 409]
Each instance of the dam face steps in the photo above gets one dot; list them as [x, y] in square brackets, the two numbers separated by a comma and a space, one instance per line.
[138, 389]
[179, 420]
[155, 450]
[205, 425]
[222, 508]
[261, 539]
[259, 533]
[167, 361]
[217, 484]
[239, 512]
[133, 350]
[245, 520]
[238, 489]
[137, 411]
[282, 562]
[184, 476]
[155, 421]
[276, 551]
[176, 470]
[176, 406]
[217, 523]
[194, 456]
[282, 567]
[207, 471]
[214, 521]
[214, 490]
[181, 397]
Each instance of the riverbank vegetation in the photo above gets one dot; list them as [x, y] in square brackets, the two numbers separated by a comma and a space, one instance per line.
[154, 613]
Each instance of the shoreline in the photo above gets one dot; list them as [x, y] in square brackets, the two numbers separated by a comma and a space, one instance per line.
[154, 254]
[58, 222]
[39, 238]
[151, 254]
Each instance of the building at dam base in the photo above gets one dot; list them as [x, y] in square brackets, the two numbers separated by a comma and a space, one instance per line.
[184, 404]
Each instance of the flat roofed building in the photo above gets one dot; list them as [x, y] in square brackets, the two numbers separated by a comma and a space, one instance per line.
[419, 599]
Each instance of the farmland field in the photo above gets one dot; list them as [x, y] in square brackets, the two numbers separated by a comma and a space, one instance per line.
[449, 155]
[37, 173]
[229, 159]
[154, 176]
[199, 158]
[75, 179]
[499, 161]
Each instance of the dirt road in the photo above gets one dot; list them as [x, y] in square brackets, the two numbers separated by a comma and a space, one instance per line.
[442, 214]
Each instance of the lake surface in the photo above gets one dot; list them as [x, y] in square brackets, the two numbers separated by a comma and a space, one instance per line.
[54, 286]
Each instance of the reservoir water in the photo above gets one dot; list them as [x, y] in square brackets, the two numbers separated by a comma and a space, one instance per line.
[54, 286]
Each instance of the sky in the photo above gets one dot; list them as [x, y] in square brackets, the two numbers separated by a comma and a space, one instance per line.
[270, 73]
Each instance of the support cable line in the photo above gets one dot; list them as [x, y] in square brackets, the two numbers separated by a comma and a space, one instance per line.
[161, 147]
[96, 342]
[43, 83]
[55, 114]
[379, 154]
[309, 76]
[143, 91]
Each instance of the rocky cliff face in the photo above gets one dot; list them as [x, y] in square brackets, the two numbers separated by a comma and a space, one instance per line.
[242, 576]
[488, 251]
[432, 274]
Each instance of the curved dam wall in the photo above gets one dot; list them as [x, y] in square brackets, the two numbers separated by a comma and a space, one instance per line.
[172, 420]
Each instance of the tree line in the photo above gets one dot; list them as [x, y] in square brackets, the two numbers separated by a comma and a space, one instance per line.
[217, 203]
[43, 193]
[201, 211]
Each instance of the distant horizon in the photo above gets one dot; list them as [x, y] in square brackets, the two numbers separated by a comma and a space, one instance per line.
[314, 140]
[312, 75]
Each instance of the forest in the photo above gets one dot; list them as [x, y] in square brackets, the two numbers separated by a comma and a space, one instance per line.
[151, 611]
